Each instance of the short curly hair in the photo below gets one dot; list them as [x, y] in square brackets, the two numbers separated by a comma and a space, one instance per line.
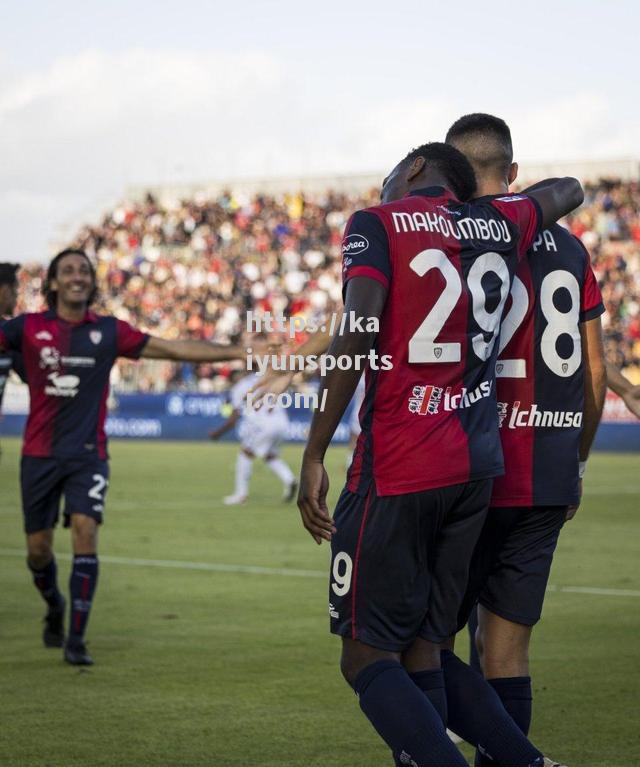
[451, 163]
[8, 273]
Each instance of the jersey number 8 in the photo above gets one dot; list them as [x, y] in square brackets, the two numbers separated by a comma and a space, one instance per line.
[558, 323]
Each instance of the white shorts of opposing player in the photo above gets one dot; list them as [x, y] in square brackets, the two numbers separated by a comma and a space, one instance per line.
[354, 417]
[261, 433]
[263, 439]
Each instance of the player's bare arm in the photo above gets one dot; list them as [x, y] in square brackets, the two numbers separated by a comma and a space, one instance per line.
[226, 426]
[623, 387]
[278, 381]
[595, 388]
[190, 351]
[556, 198]
[365, 297]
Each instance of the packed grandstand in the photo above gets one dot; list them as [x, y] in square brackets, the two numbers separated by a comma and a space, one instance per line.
[195, 267]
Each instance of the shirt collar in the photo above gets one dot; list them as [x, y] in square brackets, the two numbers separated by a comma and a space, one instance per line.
[429, 191]
[89, 317]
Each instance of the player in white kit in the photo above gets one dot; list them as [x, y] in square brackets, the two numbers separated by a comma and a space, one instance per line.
[354, 419]
[260, 433]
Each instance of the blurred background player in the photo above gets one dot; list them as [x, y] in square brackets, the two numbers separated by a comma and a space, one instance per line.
[261, 432]
[8, 300]
[354, 418]
[623, 387]
[551, 386]
[419, 486]
[68, 352]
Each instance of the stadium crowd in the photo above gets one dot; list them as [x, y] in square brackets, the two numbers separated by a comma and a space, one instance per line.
[195, 267]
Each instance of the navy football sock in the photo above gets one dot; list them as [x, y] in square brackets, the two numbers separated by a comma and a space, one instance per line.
[515, 694]
[432, 685]
[82, 585]
[46, 581]
[472, 625]
[477, 715]
[404, 717]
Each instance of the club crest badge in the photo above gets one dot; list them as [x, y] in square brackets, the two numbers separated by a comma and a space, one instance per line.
[95, 336]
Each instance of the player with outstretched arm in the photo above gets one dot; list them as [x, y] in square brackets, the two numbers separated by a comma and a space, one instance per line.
[68, 352]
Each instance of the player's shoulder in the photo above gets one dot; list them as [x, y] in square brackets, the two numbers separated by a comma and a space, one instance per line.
[363, 215]
[418, 198]
[45, 314]
[397, 214]
[244, 384]
[366, 226]
[108, 324]
[563, 235]
[558, 240]
[102, 319]
[497, 202]
[19, 320]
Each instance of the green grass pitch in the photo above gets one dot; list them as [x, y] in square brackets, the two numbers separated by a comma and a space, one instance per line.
[225, 667]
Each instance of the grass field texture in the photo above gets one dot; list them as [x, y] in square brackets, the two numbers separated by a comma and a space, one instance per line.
[210, 628]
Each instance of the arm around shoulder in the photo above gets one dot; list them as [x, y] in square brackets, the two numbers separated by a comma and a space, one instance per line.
[556, 197]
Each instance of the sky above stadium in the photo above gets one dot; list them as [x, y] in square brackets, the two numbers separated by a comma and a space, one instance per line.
[95, 97]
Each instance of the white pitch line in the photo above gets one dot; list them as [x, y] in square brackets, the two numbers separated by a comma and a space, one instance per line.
[625, 490]
[218, 567]
[596, 591]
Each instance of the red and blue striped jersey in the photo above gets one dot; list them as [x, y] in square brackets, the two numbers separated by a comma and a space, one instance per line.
[67, 367]
[540, 375]
[430, 421]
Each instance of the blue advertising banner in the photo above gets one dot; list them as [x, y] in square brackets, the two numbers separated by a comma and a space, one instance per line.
[175, 416]
[187, 416]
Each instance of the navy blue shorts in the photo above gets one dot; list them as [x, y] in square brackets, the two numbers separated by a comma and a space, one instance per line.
[44, 481]
[399, 564]
[510, 566]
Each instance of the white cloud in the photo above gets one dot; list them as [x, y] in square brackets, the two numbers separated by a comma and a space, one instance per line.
[583, 126]
[91, 124]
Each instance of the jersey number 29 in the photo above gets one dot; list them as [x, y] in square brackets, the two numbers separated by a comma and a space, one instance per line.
[423, 346]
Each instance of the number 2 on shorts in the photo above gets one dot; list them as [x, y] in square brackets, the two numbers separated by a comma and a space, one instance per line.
[95, 492]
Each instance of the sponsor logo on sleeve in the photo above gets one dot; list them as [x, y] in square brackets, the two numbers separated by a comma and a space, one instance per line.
[354, 245]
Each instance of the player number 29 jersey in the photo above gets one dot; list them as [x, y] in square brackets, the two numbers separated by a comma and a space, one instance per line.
[540, 377]
[430, 421]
